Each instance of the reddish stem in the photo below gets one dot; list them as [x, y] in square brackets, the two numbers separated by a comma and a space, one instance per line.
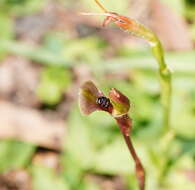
[125, 125]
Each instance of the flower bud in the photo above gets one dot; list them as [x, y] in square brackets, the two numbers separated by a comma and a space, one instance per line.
[120, 102]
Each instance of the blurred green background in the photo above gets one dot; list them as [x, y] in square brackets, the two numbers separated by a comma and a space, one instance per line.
[47, 50]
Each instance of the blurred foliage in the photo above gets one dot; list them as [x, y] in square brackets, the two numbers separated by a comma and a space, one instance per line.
[46, 178]
[53, 83]
[178, 6]
[94, 145]
[14, 155]
[20, 7]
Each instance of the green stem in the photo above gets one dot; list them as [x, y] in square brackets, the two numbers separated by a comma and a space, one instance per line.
[165, 82]
[140, 30]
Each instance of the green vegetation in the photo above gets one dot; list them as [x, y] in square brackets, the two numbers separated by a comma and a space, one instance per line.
[93, 146]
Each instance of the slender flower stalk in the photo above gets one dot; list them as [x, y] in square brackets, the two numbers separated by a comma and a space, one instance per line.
[121, 106]
[125, 125]
[117, 105]
[165, 81]
[139, 30]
